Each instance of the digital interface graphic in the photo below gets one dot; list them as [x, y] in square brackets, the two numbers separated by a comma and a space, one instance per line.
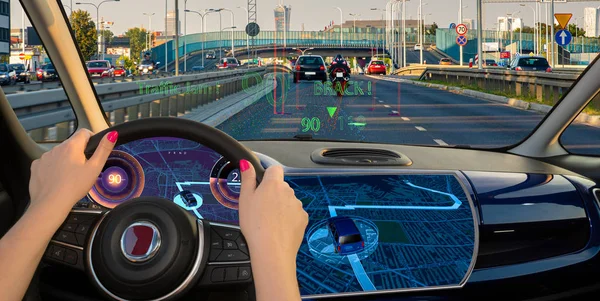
[365, 232]
[416, 231]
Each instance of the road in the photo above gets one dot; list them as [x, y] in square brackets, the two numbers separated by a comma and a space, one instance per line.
[395, 113]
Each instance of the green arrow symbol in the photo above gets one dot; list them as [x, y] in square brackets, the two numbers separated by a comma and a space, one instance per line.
[331, 111]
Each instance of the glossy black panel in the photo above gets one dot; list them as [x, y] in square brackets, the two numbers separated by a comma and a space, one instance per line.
[507, 198]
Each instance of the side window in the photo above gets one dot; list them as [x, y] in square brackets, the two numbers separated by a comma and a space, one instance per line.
[581, 137]
[35, 93]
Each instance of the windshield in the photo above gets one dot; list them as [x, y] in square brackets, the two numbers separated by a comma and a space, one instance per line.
[17, 67]
[97, 65]
[282, 91]
[3, 68]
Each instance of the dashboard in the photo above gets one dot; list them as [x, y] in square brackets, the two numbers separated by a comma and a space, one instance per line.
[373, 230]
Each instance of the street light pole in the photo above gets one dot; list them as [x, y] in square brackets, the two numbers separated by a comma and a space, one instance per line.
[202, 25]
[165, 35]
[534, 28]
[247, 37]
[341, 26]
[149, 33]
[460, 18]
[233, 27]
[98, 41]
[220, 29]
[185, 36]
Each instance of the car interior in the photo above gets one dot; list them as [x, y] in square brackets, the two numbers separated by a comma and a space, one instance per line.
[520, 221]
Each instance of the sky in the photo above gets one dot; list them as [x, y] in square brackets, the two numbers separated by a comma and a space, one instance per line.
[312, 13]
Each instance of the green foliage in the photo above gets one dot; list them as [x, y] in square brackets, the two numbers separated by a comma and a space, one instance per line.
[432, 29]
[137, 41]
[126, 62]
[85, 33]
[108, 35]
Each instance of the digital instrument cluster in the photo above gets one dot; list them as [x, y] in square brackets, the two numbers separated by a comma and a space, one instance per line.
[193, 176]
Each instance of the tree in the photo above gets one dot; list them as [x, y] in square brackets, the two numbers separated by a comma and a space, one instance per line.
[526, 29]
[108, 36]
[137, 41]
[576, 31]
[126, 62]
[432, 29]
[85, 33]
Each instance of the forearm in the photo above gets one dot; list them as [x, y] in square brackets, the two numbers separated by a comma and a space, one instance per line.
[22, 248]
[274, 277]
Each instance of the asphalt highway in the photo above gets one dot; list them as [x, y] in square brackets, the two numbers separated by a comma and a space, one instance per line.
[396, 113]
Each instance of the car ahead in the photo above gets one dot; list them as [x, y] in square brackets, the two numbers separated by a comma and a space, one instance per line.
[47, 73]
[188, 198]
[197, 68]
[530, 63]
[345, 235]
[119, 71]
[418, 47]
[210, 55]
[376, 67]
[445, 61]
[310, 67]
[7, 76]
[490, 63]
[228, 63]
[100, 68]
[22, 75]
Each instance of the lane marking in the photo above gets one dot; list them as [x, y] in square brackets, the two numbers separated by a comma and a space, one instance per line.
[381, 101]
[420, 128]
[405, 118]
[440, 142]
[387, 106]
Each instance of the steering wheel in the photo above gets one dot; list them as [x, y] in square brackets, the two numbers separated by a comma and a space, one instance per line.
[149, 248]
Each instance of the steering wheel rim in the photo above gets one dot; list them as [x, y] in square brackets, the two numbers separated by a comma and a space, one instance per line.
[206, 135]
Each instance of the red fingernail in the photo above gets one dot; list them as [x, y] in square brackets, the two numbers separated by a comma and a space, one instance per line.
[244, 165]
[112, 136]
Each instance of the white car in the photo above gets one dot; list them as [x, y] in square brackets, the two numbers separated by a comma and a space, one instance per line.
[418, 47]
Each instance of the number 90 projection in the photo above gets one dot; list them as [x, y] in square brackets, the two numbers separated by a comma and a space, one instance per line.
[311, 124]
[114, 179]
[314, 124]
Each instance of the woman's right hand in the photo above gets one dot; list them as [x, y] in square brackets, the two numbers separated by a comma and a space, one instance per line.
[271, 217]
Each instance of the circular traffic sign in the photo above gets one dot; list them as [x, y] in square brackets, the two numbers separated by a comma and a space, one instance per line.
[563, 37]
[461, 40]
[22, 56]
[452, 25]
[461, 29]
[252, 29]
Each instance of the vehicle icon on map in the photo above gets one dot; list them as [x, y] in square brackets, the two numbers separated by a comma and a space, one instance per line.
[345, 235]
[188, 198]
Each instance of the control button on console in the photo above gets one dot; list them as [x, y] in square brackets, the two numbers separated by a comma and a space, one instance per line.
[76, 218]
[67, 237]
[83, 228]
[215, 241]
[229, 245]
[217, 275]
[70, 256]
[244, 273]
[232, 255]
[214, 254]
[242, 246]
[227, 233]
[231, 274]
[80, 239]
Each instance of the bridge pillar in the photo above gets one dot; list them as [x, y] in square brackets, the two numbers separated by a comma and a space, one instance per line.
[63, 130]
[188, 103]
[172, 106]
[547, 92]
[555, 94]
[144, 110]
[132, 113]
[119, 116]
[155, 108]
[539, 92]
[38, 134]
[180, 99]
[518, 89]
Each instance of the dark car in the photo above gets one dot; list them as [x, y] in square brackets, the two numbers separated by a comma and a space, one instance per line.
[345, 235]
[310, 67]
[7, 76]
[530, 63]
[188, 198]
[197, 68]
[490, 63]
[47, 73]
[22, 75]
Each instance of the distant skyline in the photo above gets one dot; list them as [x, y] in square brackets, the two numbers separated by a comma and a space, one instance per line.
[314, 14]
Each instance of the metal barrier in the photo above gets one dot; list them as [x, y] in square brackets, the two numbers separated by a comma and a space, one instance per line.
[42, 110]
[538, 85]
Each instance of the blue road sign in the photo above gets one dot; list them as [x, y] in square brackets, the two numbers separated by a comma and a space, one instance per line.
[461, 40]
[563, 37]
[452, 25]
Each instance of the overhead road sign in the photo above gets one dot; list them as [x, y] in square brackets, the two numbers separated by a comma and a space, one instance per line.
[563, 19]
[563, 37]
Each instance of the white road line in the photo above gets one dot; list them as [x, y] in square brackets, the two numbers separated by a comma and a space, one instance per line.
[380, 100]
[440, 142]
[420, 128]
[405, 118]
[387, 106]
[394, 112]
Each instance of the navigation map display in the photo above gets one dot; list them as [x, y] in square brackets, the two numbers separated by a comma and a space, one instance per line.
[369, 233]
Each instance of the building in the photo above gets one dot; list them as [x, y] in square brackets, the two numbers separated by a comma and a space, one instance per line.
[590, 21]
[5, 27]
[509, 23]
[282, 17]
[372, 26]
[171, 24]
[470, 23]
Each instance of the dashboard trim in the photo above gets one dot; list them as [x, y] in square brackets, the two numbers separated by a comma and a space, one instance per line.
[186, 282]
[288, 171]
[66, 244]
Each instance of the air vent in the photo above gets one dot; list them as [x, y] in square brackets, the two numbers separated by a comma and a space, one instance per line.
[359, 156]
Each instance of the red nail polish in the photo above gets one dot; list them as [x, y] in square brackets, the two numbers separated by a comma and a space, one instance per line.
[112, 136]
[244, 165]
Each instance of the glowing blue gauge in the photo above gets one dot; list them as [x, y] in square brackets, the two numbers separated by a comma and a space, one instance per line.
[188, 200]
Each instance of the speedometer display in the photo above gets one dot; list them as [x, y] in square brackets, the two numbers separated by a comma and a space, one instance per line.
[225, 183]
[121, 179]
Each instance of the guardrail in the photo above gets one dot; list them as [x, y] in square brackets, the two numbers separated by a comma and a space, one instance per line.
[538, 85]
[42, 110]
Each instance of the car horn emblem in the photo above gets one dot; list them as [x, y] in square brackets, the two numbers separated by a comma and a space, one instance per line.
[140, 241]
